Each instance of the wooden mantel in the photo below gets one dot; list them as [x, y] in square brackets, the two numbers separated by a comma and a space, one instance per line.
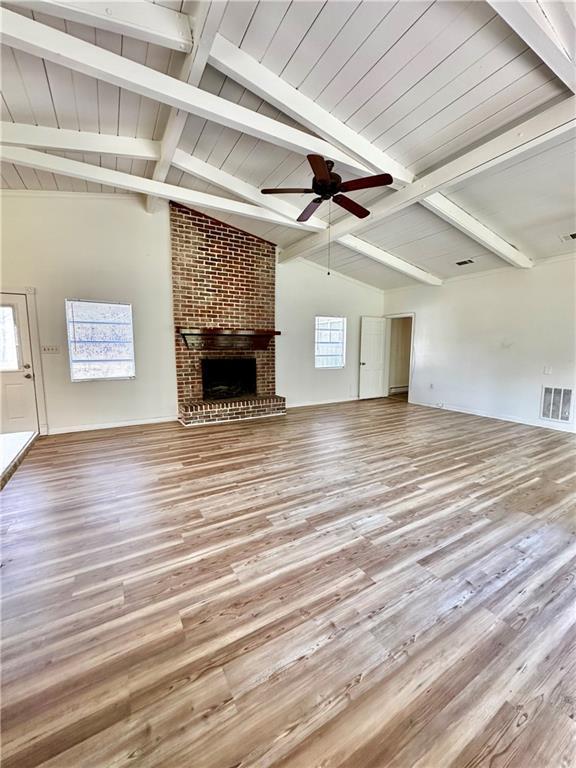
[228, 338]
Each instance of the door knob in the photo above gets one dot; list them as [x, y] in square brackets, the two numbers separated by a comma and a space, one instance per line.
[27, 375]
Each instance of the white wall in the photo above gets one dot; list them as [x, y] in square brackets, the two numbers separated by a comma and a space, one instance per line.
[304, 290]
[481, 343]
[95, 247]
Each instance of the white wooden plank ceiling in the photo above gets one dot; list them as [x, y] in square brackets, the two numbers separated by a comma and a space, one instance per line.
[532, 208]
[423, 81]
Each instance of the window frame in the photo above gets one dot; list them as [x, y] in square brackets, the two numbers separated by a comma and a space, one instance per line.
[344, 320]
[69, 340]
[17, 340]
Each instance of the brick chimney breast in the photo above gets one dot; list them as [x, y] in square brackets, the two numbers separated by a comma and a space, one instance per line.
[222, 277]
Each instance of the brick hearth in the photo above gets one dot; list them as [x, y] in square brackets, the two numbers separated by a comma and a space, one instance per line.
[222, 278]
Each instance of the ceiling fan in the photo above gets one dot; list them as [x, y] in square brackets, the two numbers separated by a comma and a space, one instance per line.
[329, 185]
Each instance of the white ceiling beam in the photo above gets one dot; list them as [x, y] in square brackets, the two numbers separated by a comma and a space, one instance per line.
[388, 259]
[143, 20]
[562, 18]
[23, 135]
[54, 164]
[531, 24]
[39, 40]
[244, 69]
[34, 136]
[465, 222]
[205, 24]
[528, 135]
[206, 172]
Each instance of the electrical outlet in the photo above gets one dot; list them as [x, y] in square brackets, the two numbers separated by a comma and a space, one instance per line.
[50, 349]
[547, 370]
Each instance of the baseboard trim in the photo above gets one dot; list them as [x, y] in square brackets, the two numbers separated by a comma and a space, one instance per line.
[569, 427]
[110, 425]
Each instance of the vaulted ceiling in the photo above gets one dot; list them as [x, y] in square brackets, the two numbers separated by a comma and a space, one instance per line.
[469, 105]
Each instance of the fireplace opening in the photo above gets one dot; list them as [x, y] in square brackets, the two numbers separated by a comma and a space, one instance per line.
[228, 377]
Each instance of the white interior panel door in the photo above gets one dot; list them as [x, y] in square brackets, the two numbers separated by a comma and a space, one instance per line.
[17, 391]
[372, 357]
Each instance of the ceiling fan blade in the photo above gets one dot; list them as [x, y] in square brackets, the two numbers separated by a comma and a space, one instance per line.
[351, 206]
[286, 191]
[310, 209]
[381, 180]
[319, 167]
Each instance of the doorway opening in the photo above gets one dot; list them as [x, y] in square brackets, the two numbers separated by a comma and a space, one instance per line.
[386, 356]
[19, 423]
[400, 357]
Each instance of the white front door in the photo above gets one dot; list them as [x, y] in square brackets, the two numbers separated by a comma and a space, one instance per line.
[372, 357]
[17, 390]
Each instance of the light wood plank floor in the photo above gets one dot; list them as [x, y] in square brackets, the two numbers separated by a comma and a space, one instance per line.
[360, 585]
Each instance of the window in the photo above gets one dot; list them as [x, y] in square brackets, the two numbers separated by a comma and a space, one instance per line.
[9, 358]
[100, 340]
[330, 342]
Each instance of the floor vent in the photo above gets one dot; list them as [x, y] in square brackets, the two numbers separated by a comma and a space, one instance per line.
[556, 403]
[464, 261]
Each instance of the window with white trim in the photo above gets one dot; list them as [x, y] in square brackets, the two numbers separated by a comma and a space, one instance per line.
[9, 343]
[100, 340]
[330, 342]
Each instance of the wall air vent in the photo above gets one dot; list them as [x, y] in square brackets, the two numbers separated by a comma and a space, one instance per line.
[568, 238]
[556, 403]
[465, 261]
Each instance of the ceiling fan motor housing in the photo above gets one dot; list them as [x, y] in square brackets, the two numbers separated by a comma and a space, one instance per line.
[326, 189]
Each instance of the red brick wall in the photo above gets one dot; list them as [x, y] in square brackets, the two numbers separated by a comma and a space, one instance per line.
[222, 278]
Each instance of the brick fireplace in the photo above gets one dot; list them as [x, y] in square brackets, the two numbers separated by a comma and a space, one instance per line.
[223, 280]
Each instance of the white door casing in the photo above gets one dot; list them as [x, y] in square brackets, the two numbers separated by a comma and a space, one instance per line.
[372, 358]
[17, 388]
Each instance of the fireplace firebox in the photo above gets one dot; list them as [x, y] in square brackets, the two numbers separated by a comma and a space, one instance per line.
[228, 377]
